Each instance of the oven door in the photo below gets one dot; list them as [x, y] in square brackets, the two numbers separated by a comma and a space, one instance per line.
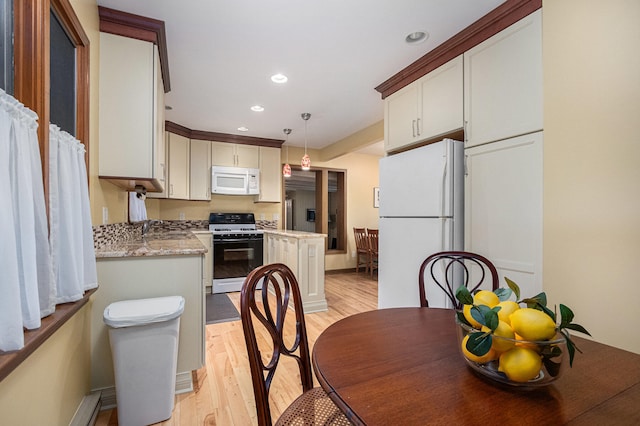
[233, 259]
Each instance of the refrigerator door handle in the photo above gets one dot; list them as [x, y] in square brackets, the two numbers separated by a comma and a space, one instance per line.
[443, 189]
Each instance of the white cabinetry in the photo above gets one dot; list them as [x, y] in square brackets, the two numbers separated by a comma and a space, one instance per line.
[503, 208]
[142, 277]
[270, 176]
[503, 83]
[303, 253]
[200, 170]
[234, 155]
[429, 107]
[206, 238]
[131, 101]
[178, 167]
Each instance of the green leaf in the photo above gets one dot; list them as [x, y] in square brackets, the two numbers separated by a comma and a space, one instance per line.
[479, 343]
[539, 299]
[566, 314]
[462, 318]
[514, 287]
[553, 368]
[571, 347]
[479, 313]
[503, 293]
[578, 327]
[464, 296]
[491, 319]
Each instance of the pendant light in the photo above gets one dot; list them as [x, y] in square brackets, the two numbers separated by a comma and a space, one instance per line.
[306, 161]
[286, 169]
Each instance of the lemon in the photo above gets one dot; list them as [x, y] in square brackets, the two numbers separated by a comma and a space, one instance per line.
[486, 297]
[466, 311]
[507, 308]
[503, 330]
[532, 324]
[520, 364]
[489, 356]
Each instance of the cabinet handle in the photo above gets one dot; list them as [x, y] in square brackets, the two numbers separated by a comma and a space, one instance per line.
[465, 131]
[466, 169]
[413, 127]
[418, 126]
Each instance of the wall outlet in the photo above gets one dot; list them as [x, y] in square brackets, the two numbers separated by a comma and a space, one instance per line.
[105, 215]
[353, 253]
[262, 216]
[181, 216]
[276, 216]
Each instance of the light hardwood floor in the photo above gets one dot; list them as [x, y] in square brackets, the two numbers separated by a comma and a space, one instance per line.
[224, 394]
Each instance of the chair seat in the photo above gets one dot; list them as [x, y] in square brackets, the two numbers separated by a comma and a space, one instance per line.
[313, 407]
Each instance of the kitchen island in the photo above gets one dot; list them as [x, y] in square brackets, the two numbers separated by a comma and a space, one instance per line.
[159, 264]
[303, 253]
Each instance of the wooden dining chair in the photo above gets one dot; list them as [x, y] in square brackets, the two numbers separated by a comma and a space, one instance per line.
[372, 239]
[362, 249]
[449, 269]
[265, 300]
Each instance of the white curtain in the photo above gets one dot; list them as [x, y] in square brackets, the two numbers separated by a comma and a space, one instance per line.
[71, 239]
[38, 269]
[24, 249]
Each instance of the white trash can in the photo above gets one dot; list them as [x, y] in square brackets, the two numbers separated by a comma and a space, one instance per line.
[144, 343]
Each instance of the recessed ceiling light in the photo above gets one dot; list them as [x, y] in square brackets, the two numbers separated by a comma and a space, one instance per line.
[257, 108]
[243, 129]
[279, 78]
[416, 37]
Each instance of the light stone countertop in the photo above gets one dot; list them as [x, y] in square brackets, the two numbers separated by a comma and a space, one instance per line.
[294, 234]
[173, 243]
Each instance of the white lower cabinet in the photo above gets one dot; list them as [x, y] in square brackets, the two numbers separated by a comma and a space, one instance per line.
[503, 208]
[303, 253]
[125, 278]
[206, 238]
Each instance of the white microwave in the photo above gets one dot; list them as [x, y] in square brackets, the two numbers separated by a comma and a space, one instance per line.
[235, 180]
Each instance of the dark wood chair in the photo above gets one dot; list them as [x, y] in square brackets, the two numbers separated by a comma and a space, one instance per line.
[362, 249]
[372, 239]
[265, 301]
[449, 269]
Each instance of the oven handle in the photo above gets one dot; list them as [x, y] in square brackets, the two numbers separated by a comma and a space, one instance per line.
[236, 240]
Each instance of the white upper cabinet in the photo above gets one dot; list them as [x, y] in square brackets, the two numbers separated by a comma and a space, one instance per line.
[178, 166]
[270, 176]
[200, 170]
[503, 83]
[427, 108]
[234, 155]
[131, 101]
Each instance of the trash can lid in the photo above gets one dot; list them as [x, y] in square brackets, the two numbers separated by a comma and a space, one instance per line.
[128, 313]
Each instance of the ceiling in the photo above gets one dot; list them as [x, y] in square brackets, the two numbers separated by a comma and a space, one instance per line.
[334, 53]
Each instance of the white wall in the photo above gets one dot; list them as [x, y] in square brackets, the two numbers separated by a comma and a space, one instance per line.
[591, 172]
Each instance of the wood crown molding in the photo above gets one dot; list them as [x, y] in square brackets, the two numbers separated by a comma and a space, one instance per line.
[172, 127]
[139, 27]
[492, 23]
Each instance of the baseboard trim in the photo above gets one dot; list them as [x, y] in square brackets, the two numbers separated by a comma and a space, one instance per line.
[87, 412]
[184, 384]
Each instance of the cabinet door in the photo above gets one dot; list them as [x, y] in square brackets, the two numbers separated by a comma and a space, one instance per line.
[223, 154]
[178, 167]
[126, 107]
[270, 175]
[441, 100]
[248, 156]
[503, 208]
[159, 151]
[200, 170]
[503, 83]
[165, 156]
[401, 118]
[207, 267]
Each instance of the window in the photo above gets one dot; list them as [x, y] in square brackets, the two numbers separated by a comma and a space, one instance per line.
[62, 101]
[323, 192]
[6, 46]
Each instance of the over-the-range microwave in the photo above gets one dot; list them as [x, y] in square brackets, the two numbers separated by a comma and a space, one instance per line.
[235, 180]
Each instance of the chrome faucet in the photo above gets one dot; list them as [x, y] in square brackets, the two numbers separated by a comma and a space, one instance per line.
[146, 225]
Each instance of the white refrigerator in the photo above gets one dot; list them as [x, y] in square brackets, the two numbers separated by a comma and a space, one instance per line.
[421, 213]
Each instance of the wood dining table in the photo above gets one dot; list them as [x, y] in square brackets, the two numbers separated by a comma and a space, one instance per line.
[402, 366]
